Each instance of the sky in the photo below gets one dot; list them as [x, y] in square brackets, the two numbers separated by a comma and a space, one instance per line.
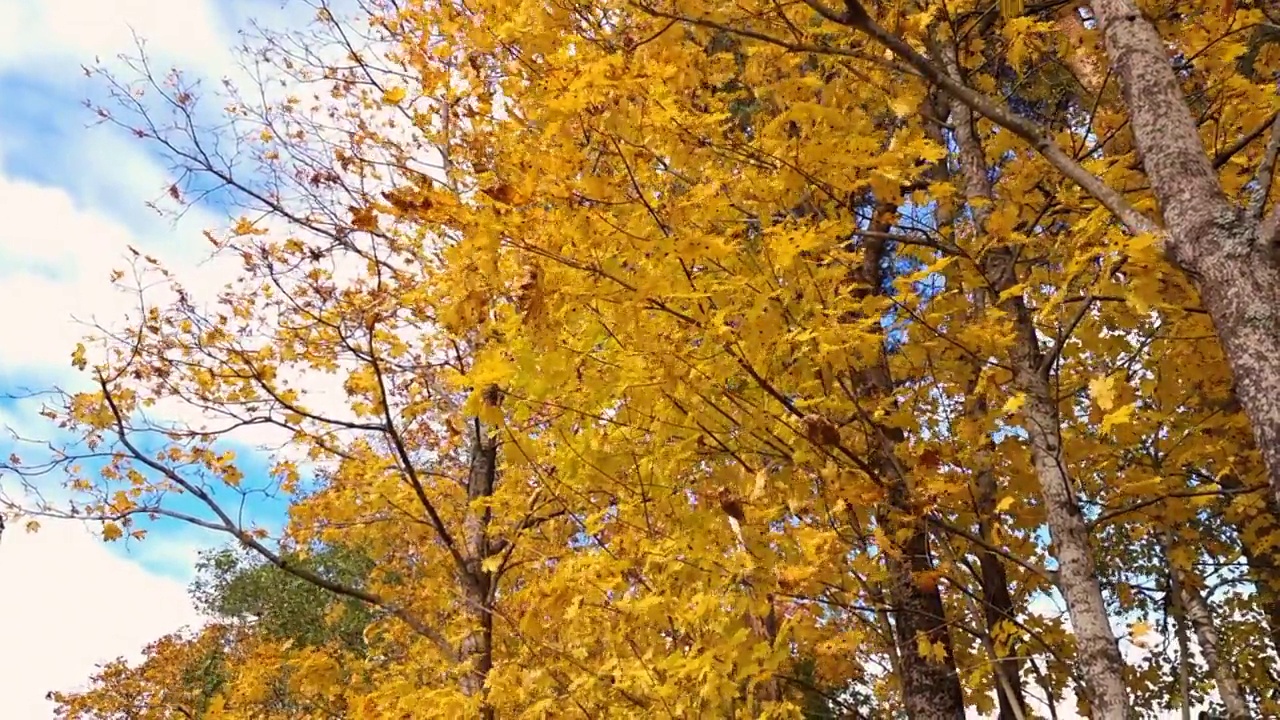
[74, 199]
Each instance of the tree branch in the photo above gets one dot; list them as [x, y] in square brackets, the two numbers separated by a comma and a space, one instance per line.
[857, 18]
[229, 526]
[1265, 174]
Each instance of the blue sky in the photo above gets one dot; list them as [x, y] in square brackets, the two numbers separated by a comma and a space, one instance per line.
[74, 198]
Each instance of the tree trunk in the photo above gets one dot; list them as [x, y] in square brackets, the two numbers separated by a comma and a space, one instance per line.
[997, 603]
[931, 687]
[996, 600]
[1196, 612]
[1184, 643]
[1263, 562]
[1097, 650]
[1230, 253]
[476, 651]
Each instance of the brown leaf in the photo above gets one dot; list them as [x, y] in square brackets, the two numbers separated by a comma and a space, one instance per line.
[731, 505]
[820, 430]
[502, 193]
[930, 459]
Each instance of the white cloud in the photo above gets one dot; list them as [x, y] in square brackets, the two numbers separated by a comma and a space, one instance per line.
[55, 256]
[48, 36]
[48, 248]
[68, 603]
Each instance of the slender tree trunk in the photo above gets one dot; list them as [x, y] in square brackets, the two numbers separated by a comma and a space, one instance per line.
[997, 603]
[1097, 650]
[1231, 253]
[1195, 609]
[765, 626]
[1264, 562]
[931, 686]
[996, 600]
[476, 651]
[1180, 630]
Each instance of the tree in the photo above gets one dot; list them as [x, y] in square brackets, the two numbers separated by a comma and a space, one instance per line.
[714, 360]
[251, 606]
[231, 585]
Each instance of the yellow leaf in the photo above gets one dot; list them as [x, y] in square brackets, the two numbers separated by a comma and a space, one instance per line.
[1014, 404]
[78, 360]
[1142, 487]
[393, 96]
[757, 491]
[1005, 503]
[923, 647]
[939, 652]
[1102, 391]
[1120, 416]
[1012, 291]
[903, 105]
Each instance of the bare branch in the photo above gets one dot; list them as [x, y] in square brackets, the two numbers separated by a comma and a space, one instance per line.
[1266, 173]
[231, 527]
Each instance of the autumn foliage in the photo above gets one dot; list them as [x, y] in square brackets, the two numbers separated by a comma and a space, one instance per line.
[691, 359]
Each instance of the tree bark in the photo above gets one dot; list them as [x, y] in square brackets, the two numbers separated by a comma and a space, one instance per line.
[931, 689]
[997, 603]
[1196, 612]
[1180, 624]
[476, 651]
[1230, 252]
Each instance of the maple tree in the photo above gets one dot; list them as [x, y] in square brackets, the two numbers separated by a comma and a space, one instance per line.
[738, 361]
